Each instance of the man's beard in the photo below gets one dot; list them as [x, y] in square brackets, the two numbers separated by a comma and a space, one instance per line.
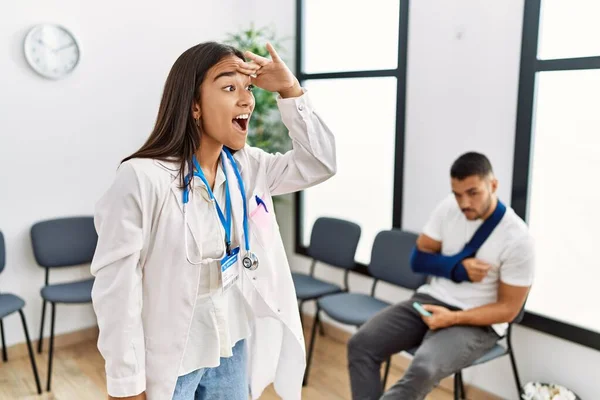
[485, 210]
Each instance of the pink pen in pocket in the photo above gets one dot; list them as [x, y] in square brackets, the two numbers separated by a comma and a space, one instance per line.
[260, 205]
[262, 219]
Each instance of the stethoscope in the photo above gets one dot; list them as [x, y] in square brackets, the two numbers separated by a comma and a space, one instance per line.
[249, 261]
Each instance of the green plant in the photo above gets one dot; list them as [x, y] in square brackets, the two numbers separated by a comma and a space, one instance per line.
[266, 130]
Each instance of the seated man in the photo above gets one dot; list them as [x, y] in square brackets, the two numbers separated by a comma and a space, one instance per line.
[481, 256]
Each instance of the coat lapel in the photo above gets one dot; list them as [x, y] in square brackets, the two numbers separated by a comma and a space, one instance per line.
[192, 210]
[192, 207]
[193, 203]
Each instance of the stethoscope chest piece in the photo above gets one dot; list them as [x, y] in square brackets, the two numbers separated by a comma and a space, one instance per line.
[250, 261]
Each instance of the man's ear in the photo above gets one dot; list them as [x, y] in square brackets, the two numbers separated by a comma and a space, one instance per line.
[494, 183]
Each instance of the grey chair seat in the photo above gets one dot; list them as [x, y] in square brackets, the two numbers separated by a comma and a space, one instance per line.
[9, 303]
[72, 292]
[351, 308]
[308, 287]
[495, 352]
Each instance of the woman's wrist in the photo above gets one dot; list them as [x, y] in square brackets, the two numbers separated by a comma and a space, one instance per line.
[293, 91]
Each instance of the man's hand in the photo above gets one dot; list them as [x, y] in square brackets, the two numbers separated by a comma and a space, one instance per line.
[141, 396]
[441, 318]
[476, 269]
[428, 245]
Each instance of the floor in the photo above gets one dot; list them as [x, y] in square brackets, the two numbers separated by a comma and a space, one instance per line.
[79, 374]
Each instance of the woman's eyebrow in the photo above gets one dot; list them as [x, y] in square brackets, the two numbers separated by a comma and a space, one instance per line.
[225, 73]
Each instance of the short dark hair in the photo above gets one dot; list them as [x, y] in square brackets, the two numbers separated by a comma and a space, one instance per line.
[471, 164]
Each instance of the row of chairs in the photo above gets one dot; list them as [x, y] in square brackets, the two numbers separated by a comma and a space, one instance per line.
[56, 243]
[334, 242]
[67, 242]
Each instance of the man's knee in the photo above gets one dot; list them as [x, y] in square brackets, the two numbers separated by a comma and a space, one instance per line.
[360, 345]
[355, 345]
[425, 369]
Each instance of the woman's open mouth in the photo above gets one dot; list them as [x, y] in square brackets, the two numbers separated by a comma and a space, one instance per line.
[241, 122]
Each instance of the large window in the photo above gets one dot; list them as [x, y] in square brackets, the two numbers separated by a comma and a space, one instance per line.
[352, 58]
[557, 160]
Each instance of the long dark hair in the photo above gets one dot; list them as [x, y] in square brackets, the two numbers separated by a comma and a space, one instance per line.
[175, 134]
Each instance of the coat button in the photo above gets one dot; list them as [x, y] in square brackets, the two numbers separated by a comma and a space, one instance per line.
[301, 107]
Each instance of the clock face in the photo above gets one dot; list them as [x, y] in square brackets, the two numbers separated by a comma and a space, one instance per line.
[51, 51]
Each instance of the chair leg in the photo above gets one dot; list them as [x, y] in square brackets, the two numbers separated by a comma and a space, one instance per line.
[41, 341]
[514, 368]
[321, 328]
[459, 389]
[4, 353]
[311, 347]
[31, 358]
[386, 373]
[51, 351]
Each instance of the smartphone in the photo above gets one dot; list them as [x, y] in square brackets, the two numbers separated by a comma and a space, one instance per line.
[417, 306]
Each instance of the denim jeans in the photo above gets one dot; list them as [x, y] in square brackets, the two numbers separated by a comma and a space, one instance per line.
[228, 381]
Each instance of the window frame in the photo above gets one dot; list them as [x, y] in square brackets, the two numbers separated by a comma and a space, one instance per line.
[530, 66]
[400, 74]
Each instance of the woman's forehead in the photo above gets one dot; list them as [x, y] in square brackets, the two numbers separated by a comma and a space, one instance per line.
[227, 64]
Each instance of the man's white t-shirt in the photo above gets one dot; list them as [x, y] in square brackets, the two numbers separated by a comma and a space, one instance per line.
[509, 249]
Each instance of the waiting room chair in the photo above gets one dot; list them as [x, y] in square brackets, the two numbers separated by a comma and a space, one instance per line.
[9, 304]
[390, 262]
[332, 241]
[60, 243]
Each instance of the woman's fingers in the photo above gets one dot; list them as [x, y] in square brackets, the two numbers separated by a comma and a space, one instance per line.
[247, 65]
[261, 61]
[249, 72]
[250, 69]
[274, 56]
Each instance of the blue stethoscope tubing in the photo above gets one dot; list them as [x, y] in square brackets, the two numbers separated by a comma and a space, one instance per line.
[249, 261]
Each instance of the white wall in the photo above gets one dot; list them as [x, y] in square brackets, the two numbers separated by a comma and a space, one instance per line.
[61, 141]
[463, 70]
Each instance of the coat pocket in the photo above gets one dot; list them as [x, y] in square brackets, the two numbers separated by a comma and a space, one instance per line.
[262, 217]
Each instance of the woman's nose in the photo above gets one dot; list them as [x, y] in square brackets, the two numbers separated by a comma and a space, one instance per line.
[246, 100]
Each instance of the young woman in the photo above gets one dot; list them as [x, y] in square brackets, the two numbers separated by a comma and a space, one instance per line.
[193, 293]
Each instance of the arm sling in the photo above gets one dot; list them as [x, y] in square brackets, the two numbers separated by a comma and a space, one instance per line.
[451, 267]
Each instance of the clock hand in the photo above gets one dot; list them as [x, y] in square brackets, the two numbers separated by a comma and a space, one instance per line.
[65, 47]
